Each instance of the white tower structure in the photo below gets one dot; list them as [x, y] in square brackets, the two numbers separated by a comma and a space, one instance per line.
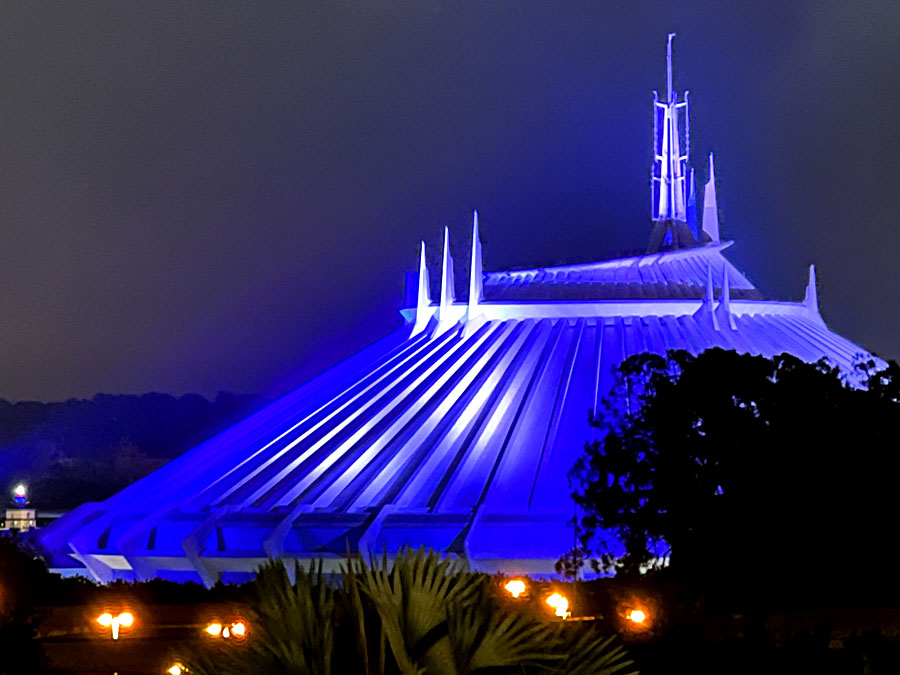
[671, 150]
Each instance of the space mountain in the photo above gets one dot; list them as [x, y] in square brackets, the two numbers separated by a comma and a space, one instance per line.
[456, 431]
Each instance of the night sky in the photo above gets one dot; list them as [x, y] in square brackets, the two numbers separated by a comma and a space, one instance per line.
[226, 196]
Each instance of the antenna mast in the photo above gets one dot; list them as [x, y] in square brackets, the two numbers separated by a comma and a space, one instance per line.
[670, 93]
[670, 140]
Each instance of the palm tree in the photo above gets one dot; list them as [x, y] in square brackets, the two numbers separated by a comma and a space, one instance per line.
[420, 613]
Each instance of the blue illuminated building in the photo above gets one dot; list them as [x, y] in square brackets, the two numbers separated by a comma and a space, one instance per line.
[456, 431]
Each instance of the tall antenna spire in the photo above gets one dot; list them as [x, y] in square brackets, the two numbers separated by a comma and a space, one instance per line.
[670, 92]
[671, 141]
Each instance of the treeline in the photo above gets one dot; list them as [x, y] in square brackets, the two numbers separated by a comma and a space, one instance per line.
[87, 449]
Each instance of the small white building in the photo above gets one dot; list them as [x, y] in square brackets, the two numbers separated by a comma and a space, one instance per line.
[20, 519]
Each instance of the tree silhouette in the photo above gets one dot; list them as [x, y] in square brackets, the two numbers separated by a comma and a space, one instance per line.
[742, 467]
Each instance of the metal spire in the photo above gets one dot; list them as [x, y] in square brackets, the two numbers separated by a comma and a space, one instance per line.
[811, 299]
[670, 92]
[448, 292]
[709, 300]
[423, 301]
[424, 285]
[691, 209]
[726, 299]
[710, 207]
[475, 277]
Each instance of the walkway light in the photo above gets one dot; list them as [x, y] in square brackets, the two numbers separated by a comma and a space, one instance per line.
[176, 669]
[123, 620]
[515, 587]
[236, 629]
[561, 604]
[637, 616]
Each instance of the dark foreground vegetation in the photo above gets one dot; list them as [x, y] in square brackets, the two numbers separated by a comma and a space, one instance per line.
[419, 613]
[422, 615]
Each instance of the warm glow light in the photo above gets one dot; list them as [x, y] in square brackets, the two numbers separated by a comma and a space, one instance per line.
[637, 616]
[214, 629]
[239, 629]
[226, 633]
[515, 587]
[177, 669]
[560, 604]
[19, 490]
[107, 620]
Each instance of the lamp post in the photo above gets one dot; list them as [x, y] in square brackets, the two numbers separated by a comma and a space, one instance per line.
[560, 604]
[236, 629]
[515, 587]
[637, 616]
[123, 620]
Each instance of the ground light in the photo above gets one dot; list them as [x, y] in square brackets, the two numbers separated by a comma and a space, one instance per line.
[560, 604]
[123, 620]
[515, 587]
[176, 669]
[637, 616]
[237, 629]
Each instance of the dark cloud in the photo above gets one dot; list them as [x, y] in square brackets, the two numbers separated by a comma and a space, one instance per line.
[206, 196]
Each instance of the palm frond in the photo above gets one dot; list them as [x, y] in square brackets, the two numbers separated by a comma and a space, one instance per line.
[420, 613]
[587, 652]
[488, 637]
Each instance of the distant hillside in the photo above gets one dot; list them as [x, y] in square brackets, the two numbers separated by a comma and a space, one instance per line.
[83, 450]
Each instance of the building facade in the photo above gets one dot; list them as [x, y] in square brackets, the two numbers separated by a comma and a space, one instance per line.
[20, 520]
